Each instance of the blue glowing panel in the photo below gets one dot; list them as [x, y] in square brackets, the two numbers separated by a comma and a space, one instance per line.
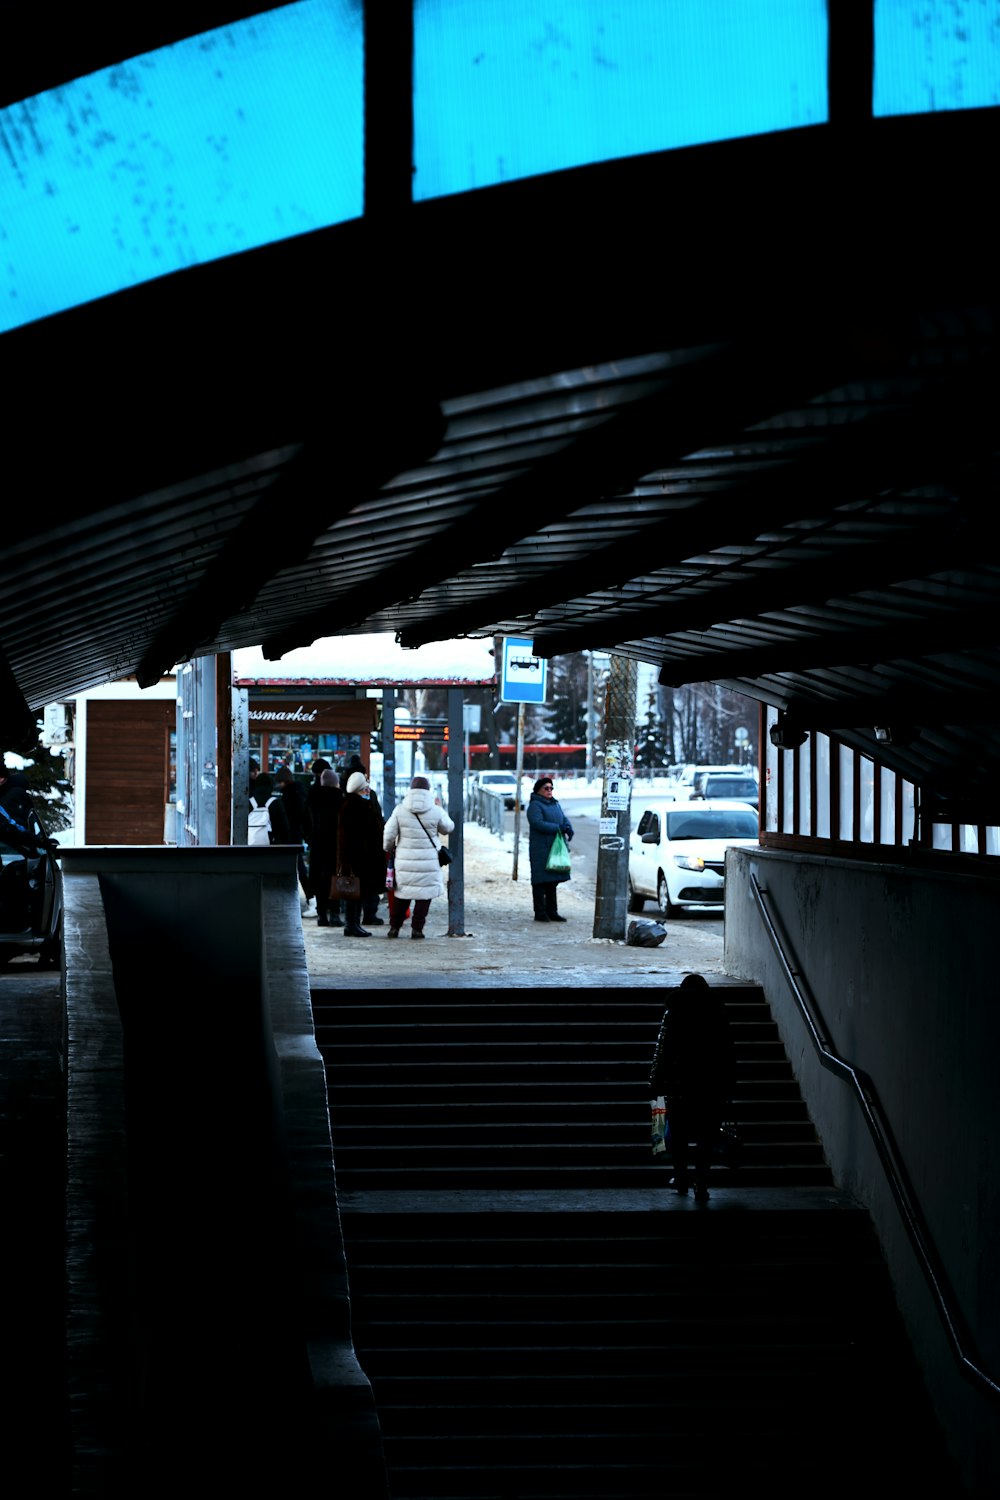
[509, 88]
[936, 56]
[222, 142]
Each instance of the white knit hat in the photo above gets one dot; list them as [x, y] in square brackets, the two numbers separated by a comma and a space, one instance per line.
[357, 781]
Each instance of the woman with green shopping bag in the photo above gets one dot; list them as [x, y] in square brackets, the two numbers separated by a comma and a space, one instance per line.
[548, 826]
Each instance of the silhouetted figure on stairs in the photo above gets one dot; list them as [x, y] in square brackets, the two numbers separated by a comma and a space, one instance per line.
[694, 1068]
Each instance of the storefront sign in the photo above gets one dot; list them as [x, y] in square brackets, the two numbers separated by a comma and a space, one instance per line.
[300, 715]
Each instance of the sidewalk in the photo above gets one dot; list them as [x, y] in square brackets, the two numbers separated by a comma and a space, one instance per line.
[503, 946]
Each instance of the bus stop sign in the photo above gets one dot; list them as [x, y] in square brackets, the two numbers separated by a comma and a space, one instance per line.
[523, 678]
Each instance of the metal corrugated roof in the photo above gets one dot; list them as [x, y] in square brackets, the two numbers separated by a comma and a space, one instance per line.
[729, 410]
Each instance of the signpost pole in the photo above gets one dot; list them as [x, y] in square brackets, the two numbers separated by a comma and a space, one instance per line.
[456, 839]
[519, 769]
[590, 718]
[523, 680]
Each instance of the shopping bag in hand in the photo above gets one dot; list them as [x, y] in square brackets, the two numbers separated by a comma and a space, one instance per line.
[558, 855]
[660, 1125]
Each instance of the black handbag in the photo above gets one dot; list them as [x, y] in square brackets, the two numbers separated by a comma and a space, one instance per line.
[444, 858]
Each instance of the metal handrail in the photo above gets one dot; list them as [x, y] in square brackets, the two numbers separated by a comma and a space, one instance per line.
[956, 1328]
[486, 808]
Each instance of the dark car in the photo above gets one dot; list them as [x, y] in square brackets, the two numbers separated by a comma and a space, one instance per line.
[730, 785]
[31, 904]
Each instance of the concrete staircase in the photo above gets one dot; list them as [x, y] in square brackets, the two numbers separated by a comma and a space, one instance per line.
[542, 1318]
[478, 1091]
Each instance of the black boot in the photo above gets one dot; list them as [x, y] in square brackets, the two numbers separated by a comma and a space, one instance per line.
[538, 897]
[551, 913]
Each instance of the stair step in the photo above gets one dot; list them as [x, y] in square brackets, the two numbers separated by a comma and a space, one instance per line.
[493, 1134]
[503, 1114]
[529, 1353]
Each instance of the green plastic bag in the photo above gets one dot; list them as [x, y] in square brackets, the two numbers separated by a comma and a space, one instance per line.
[558, 855]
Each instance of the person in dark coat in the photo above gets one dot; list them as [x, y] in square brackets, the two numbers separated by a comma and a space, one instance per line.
[323, 820]
[359, 850]
[293, 797]
[694, 1068]
[352, 765]
[316, 769]
[545, 819]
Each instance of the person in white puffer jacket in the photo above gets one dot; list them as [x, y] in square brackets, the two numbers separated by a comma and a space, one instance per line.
[411, 839]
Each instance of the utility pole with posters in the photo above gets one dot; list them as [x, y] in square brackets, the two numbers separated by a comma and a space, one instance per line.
[523, 679]
[612, 848]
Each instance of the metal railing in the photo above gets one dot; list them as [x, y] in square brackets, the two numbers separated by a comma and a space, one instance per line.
[959, 1335]
[486, 808]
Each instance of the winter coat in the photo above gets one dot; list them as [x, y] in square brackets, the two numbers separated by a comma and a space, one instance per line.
[419, 877]
[359, 843]
[322, 825]
[545, 820]
[293, 800]
[695, 1058]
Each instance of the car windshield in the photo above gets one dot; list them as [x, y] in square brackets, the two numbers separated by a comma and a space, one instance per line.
[724, 824]
[498, 778]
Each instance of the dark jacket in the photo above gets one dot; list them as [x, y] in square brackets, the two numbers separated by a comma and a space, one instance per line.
[695, 1059]
[545, 820]
[293, 799]
[359, 843]
[322, 828]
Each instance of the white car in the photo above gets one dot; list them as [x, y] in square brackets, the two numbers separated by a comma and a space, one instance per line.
[499, 783]
[677, 853]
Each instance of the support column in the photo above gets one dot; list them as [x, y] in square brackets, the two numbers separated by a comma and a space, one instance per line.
[224, 749]
[456, 840]
[389, 750]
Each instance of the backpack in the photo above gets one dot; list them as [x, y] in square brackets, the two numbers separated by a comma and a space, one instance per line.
[259, 821]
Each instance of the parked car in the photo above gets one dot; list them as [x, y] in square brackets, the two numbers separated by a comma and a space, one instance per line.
[31, 904]
[677, 853]
[732, 785]
[500, 782]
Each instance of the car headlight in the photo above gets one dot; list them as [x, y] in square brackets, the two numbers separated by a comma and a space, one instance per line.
[689, 861]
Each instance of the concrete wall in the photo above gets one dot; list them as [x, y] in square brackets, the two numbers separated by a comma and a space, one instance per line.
[902, 966]
[207, 1295]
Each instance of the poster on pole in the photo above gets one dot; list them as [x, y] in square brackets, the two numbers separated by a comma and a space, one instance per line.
[523, 677]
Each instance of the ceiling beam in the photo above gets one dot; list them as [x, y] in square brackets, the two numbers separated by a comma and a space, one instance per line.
[901, 446]
[595, 459]
[898, 705]
[932, 635]
[287, 519]
[922, 552]
[730, 391]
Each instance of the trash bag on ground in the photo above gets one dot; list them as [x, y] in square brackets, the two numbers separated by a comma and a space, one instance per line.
[645, 934]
